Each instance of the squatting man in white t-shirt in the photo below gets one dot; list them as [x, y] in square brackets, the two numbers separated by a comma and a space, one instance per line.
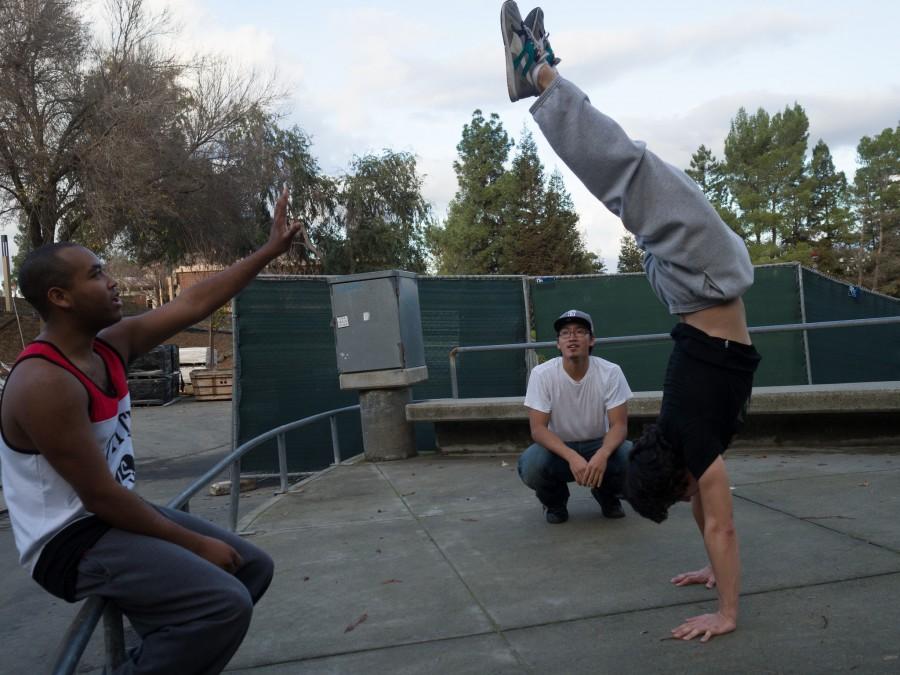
[578, 412]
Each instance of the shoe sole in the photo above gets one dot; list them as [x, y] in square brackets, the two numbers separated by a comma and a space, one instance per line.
[506, 11]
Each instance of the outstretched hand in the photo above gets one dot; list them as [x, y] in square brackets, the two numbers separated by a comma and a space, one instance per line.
[283, 229]
[703, 576]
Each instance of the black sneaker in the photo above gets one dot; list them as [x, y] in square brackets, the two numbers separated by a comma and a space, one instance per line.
[611, 506]
[556, 514]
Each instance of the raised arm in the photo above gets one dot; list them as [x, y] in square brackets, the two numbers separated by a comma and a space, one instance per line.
[139, 334]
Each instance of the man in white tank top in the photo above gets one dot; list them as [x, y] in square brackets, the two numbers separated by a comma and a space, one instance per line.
[187, 587]
[578, 413]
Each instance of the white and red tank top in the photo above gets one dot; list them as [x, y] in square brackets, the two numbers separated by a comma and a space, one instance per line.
[42, 505]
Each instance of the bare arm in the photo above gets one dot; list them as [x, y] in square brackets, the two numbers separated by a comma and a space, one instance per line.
[720, 540]
[136, 335]
[59, 428]
[704, 575]
[541, 434]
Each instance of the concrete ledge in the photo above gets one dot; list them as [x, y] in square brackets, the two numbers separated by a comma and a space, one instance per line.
[842, 412]
[861, 397]
[383, 379]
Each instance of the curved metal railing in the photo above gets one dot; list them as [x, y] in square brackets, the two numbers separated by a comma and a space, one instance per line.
[81, 629]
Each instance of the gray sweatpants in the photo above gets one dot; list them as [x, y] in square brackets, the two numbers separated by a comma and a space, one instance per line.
[693, 260]
[190, 614]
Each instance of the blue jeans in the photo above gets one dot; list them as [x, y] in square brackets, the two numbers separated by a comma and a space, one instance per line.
[548, 474]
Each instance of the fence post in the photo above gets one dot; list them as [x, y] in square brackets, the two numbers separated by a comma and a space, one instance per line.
[235, 493]
[282, 462]
[335, 442]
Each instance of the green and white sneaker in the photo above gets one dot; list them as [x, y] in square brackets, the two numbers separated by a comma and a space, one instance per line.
[535, 23]
[523, 51]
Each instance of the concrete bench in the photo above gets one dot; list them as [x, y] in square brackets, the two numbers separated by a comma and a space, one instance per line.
[864, 412]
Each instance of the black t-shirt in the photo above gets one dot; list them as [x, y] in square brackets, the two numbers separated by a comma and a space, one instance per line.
[705, 394]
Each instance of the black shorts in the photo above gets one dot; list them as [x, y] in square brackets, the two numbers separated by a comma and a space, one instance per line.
[707, 386]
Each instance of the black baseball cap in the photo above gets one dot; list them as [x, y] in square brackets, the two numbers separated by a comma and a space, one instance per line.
[574, 315]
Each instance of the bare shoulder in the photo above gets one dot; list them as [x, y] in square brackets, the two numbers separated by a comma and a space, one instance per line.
[118, 336]
[41, 389]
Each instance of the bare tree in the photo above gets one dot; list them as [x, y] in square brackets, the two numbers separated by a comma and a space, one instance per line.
[117, 140]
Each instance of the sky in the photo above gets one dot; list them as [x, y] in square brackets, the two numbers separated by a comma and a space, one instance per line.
[360, 77]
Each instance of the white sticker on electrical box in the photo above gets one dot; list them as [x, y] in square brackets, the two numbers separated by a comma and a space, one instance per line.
[343, 321]
[365, 316]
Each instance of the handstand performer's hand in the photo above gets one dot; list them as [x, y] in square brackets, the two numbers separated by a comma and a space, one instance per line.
[705, 625]
[703, 576]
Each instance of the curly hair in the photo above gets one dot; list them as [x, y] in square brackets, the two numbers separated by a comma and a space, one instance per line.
[656, 476]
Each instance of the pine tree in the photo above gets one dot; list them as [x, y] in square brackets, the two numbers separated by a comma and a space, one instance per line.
[470, 241]
[709, 174]
[631, 258]
[766, 174]
[829, 220]
[877, 197]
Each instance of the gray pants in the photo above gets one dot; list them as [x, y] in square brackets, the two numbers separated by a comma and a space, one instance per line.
[190, 614]
[693, 260]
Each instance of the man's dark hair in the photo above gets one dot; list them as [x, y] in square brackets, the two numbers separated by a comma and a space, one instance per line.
[41, 270]
[656, 476]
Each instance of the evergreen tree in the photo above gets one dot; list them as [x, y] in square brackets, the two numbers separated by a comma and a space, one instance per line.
[471, 240]
[877, 197]
[631, 258]
[709, 174]
[828, 219]
[565, 250]
[764, 161]
[523, 247]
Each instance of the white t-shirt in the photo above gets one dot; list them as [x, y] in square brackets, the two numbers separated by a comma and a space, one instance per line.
[577, 409]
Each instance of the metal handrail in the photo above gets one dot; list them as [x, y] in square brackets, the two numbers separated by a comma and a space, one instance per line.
[656, 337]
[81, 629]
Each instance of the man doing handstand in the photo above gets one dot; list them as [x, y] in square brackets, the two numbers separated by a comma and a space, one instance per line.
[699, 269]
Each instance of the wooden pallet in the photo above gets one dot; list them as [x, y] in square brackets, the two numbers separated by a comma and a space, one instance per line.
[212, 385]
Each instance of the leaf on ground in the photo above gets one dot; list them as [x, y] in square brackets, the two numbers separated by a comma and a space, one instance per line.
[353, 625]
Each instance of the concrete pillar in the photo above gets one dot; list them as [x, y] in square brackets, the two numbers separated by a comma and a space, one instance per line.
[386, 433]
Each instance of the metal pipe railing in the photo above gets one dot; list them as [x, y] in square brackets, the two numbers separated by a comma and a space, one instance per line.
[656, 337]
[85, 622]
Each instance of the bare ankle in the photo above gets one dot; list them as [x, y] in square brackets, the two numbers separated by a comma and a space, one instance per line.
[545, 76]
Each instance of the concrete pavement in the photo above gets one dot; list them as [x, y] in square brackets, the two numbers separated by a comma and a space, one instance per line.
[445, 565]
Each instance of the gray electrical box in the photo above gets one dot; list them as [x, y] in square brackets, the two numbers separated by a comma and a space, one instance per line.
[377, 328]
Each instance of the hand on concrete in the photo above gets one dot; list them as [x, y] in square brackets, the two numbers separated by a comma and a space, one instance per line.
[703, 576]
[705, 625]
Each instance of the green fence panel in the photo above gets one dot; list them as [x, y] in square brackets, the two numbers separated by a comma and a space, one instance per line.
[620, 304]
[864, 354]
[624, 304]
[286, 370]
[774, 299]
[464, 312]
